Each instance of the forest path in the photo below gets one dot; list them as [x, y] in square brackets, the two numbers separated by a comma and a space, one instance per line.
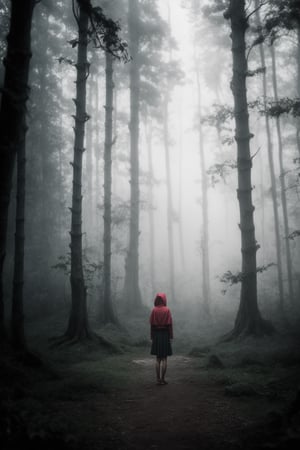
[190, 412]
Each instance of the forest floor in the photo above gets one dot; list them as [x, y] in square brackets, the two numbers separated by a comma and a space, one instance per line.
[228, 396]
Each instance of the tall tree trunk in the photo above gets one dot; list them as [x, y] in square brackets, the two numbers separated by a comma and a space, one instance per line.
[298, 87]
[78, 321]
[298, 118]
[170, 209]
[17, 316]
[272, 170]
[60, 170]
[180, 215]
[132, 294]
[115, 125]
[248, 320]
[204, 189]
[12, 115]
[170, 204]
[263, 206]
[282, 184]
[97, 158]
[43, 149]
[148, 132]
[89, 167]
[108, 313]
[226, 194]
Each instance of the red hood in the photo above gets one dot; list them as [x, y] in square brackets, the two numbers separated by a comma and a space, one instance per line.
[161, 295]
[160, 315]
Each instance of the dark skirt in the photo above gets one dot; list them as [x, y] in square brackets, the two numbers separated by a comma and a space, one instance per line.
[161, 345]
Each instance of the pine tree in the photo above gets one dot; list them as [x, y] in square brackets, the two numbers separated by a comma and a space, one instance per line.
[132, 293]
[12, 114]
[108, 312]
[248, 320]
[271, 166]
[91, 22]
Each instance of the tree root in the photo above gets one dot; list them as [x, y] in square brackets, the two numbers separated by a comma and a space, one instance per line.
[30, 359]
[259, 328]
[69, 341]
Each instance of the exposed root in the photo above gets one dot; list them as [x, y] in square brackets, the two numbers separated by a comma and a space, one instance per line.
[259, 328]
[30, 359]
[58, 340]
[84, 339]
[105, 343]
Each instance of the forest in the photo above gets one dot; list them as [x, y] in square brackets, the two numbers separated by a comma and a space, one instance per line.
[149, 149]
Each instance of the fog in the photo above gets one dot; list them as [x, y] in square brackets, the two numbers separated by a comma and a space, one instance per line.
[189, 43]
[149, 224]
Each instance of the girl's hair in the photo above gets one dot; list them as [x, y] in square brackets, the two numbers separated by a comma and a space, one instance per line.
[158, 301]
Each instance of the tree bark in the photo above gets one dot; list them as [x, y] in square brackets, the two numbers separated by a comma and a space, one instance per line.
[17, 315]
[78, 322]
[60, 171]
[272, 171]
[298, 88]
[170, 205]
[282, 184]
[108, 312]
[132, 294]
[170, 209]
[89, 168]
[44, 148]
[204, 192]
[148, 132]
[180, 215]
[12, 115]
[97, 158]
[248, 320]
[115, 127]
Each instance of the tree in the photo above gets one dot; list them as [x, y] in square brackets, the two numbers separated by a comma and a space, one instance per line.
[92, 24]
[148, 126]
[170, 206]
[208, 32]
[156, 81]
[282, 182]
[281, 18]
[78, 321]
[12, 114]
[132, 293]
[45, 145]
[108, 312]
[298, 85]
[204, 193]
[271, 165]
[17, 316]
[108, 315]
[166, 139]
[4, 20]
[248, 320]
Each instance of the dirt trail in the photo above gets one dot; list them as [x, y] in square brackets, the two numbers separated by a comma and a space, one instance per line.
[190, 412]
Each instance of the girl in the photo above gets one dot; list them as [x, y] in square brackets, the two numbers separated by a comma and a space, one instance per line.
[161, 333]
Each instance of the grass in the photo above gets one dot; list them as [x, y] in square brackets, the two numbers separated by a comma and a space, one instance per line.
[268, 368]
[36, 400]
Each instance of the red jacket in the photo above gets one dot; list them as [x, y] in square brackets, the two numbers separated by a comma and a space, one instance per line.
[161, 315]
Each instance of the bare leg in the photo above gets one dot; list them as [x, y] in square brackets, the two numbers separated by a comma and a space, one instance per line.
[157, 367]
[164, 369]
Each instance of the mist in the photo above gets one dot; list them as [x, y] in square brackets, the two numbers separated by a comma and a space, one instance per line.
[149, 147]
